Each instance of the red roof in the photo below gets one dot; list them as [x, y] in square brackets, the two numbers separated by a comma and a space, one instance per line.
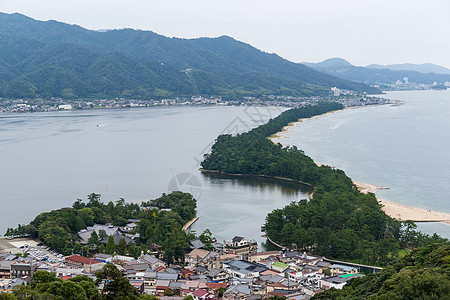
[216, 285]
[82, 260]
[160, 268]
[200, 293]
[65, 278]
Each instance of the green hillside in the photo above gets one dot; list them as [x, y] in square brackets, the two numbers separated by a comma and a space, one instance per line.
[53, 59]
[424, 273]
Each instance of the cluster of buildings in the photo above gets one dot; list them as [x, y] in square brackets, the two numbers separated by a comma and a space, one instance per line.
[233, 270]
[41, 105]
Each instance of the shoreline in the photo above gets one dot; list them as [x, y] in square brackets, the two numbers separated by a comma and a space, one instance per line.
[279, 134]
[255, 175]
[394, 210]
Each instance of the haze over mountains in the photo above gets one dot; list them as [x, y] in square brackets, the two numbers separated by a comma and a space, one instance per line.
[378, 74]
[422, 68]
[53, 59]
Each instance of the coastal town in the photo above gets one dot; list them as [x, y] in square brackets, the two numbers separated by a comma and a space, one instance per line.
[345, 97]
[234, 269]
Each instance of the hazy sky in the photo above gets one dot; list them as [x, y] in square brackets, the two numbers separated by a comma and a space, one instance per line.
[361, 31]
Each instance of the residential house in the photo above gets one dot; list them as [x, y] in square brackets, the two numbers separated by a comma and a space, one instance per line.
[336, 281]
[89, 265]
[196, 244]
[336, 269]
[5, 268]
[218, 275]
[258, 256]
[153, 262]
[240, 246]
[195, 257]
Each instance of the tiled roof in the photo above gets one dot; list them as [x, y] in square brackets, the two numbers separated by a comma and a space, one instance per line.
[82, 259]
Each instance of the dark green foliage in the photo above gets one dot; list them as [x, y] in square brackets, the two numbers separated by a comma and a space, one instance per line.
[52, 59]
[424, 273]
[115, 285]
[110, 245]
[122, 247]
[339, 221]
[58, 228]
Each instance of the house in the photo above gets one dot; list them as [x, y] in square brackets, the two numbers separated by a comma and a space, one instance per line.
[117, 237]
[336, 281]
[104, 257]
[201, 294]
[217, 261]
[85, 234]
[62, 272]
[136, 266]
[217, 275]
[186, 273]
[240, 246]
[89, 265]
[22, 270]
[243, 269]
[138, 285]
[323, 264]
[241, 291]
[279, 266]
[5, 268]
[150, 282]
[258, 256]
[195, 257]
[339, 269]
[6, 286]
[213, 287]
[196, 244]
[129, 227]
[153, 262]
[161, 286]
[175, 287]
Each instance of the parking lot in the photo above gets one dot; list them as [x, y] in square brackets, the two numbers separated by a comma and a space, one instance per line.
[22, 245]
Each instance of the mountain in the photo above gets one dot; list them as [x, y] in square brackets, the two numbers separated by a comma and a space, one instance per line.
[329, 63]
[422, 68]
[54, 59]
[341, 68]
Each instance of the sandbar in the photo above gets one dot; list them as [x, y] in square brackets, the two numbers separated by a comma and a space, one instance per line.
[395, 210]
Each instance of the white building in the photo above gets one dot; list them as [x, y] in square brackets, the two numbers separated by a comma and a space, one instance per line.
[336, 91]
[65, 106]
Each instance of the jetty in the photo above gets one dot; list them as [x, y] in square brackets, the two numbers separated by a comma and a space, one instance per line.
[189, 224]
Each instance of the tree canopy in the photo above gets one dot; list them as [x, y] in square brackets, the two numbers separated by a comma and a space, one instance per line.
[338, 221]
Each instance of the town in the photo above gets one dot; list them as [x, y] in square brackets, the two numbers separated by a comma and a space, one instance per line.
[345, 97]
[233, 269]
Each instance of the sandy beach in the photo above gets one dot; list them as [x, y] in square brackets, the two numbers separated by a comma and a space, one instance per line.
[279, 135]
[404, 212]
[395, 210]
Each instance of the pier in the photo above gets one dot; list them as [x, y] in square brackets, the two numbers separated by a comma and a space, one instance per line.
[189, 224]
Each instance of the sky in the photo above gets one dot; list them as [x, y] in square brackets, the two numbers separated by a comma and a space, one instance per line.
[361, 31]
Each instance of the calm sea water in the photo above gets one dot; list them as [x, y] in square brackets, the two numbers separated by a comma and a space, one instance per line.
[404, 147]
[48, 160]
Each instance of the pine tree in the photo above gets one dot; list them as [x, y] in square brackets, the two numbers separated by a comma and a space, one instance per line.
[110, 246]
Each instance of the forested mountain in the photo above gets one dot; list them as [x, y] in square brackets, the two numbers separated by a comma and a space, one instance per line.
[343, 69]
[53, 59]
